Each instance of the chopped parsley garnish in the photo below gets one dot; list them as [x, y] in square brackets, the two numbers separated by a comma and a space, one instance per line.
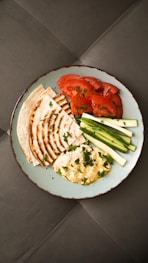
[77, 88]
[66, 135]
[87, 160]
[45, 156]
[101, 155]
[87, 142]
[106, 163]
[72, 148]
[79, 170]
[50, 104]
[65, 168]
[84, 180]
[59, 172]
[78, 118]
[109, 159]
[83, 92]
[77, 161]
[101, 107]
[105, 156]
[82, 107]
[101, 173]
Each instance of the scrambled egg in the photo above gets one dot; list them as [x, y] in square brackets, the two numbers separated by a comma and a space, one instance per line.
[83, 164]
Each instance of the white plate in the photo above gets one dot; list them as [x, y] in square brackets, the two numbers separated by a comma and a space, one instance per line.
[51, 182]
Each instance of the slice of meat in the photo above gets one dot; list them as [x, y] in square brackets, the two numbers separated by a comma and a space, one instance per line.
[46, 127]
[51, 130]
[63, 103]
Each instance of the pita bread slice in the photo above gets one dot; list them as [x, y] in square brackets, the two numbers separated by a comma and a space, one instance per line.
[23, 120]
[51, 130]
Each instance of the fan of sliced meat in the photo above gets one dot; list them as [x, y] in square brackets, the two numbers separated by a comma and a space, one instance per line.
[46, 127]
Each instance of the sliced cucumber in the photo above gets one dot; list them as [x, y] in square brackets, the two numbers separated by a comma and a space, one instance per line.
[126, 138]
[104, 137]
[127, 123]
[106, 134]
[118, 158]
[109, 122]
[132, 147]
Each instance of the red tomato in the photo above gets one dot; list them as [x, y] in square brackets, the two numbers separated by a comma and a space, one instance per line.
[103, 106]
[89, 94]
[116, 100]
[109, 89]
[63, 79]
[80, 105]
[77, 87]
[96, 83]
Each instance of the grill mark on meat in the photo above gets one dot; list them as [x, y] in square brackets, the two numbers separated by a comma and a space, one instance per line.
[46, 133]
[36, 132]
[34, 146]
[42, 144]
[51, 138]
[50, 130]
[63, 103]
[54, 136]
[61, 144]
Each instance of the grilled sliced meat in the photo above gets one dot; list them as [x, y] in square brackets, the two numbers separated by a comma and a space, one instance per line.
[51, 130]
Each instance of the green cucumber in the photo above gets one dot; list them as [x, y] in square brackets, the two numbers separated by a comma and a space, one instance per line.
[110, 123]
[110, 141]
[107, 132]
[127, 123]
[118, 158]
[108, 135]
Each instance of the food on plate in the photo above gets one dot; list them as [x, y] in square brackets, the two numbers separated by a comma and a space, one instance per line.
[89, 94]
[96, 83]
[79, 105]
[102, 106]
[81, 152]
[109, 134]
[45, 126]
[84, 164]
[51, 130]
[23, 120]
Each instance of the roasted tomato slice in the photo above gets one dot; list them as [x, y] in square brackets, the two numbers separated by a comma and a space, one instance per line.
[77, 87]
[80, 105]
[96, 83]
[109, 89]
[116, 100]
[63, 79]
[89, 94]
[103, 106]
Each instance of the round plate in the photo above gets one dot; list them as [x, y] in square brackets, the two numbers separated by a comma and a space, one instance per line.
[47, 179]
